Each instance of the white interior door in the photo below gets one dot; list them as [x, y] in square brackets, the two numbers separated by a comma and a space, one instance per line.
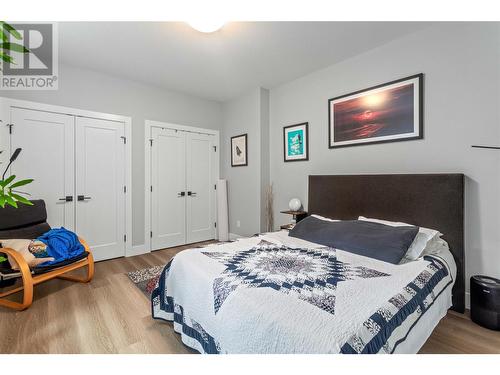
[200, 181]
[47, 142]
[100, 181]
[168, 184]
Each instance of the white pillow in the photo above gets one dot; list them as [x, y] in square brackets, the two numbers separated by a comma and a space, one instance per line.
[423, 239]
[323, 218]
[436, 246]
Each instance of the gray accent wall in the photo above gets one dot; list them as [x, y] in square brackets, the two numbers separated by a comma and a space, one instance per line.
[93, 91]
[248, 114]
[461, 63]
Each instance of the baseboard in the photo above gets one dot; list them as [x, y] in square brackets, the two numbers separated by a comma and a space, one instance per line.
[467, 300]
[234, 236]
[137, 250]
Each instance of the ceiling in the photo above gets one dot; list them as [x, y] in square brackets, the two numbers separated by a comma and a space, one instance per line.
[224, 64]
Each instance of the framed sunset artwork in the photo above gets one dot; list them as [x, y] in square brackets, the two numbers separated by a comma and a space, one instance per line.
[296, 142]
[389, 112]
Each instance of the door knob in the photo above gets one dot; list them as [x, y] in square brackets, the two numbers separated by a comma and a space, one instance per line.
[67, 198]
[181, 194]
[191, 194]
[83, 198]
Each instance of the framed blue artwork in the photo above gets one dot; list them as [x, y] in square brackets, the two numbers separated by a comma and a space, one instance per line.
[296, 142]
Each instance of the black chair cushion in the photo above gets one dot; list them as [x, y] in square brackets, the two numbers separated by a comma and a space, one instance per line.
[28, 222]
[23, 216]
[42, 269]
[27, 233]
[8, 275]
[24, 222]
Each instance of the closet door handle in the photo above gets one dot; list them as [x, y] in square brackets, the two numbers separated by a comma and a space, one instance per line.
[84, 198]
[191, 194]
[67, 198]
[181, 194]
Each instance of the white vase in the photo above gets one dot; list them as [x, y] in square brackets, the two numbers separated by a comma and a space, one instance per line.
[294, 204]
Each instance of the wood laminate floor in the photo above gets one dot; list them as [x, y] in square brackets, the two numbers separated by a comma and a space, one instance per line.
[111, 315]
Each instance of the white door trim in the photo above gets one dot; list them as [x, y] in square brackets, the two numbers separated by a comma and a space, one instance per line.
[7, 103]
[148, 125]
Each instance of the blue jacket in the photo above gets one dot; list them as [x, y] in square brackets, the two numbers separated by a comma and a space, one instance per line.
[62, 244]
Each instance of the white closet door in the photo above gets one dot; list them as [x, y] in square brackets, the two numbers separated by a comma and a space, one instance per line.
[168, 199]
[100, 181]
[47, 140]
[200, 204]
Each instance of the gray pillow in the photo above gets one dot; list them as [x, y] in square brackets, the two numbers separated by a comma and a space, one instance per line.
[374, 240]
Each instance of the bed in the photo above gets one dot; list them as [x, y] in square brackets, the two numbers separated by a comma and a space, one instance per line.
[274, 293]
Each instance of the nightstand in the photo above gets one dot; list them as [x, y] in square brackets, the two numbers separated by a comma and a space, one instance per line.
[296, 217]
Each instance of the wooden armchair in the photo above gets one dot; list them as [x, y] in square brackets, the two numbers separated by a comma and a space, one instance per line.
[30, 222]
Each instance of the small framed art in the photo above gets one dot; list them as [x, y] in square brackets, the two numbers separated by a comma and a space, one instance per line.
[389, 112]
[296, 142]
[239, 151]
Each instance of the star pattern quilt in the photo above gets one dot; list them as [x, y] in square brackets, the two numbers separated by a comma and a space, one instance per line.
[277, 294]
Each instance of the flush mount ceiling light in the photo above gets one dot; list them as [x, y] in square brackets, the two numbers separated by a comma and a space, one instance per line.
[206, 25]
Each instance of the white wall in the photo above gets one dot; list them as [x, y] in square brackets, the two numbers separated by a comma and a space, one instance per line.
[246, 114]
[94, 91]
[265, 171]
[461, 63]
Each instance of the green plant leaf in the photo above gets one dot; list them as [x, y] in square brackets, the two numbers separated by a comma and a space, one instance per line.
[21, 183]
[4, 36]
[14, 47]
[6, 58]
[21, 199]
[2, 201]
[21, 192]
[11, 201]
[11, 30]
[7, 181]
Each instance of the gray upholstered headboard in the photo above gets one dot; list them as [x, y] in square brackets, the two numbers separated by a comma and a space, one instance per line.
[428, 200]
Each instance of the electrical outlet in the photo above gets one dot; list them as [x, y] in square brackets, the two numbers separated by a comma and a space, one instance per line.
[238, 223]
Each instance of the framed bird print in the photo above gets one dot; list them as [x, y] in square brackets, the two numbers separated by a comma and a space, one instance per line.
[239, 151]
[296, 142]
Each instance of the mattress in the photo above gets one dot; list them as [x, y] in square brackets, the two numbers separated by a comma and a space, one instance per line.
[277, 294]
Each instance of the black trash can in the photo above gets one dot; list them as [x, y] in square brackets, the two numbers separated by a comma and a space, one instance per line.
[485, 301]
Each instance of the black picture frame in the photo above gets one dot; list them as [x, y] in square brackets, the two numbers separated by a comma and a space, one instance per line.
[245, 142]
[418, 125]
[306, 142]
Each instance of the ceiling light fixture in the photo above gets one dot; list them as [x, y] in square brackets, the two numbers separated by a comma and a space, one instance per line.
[206, 25]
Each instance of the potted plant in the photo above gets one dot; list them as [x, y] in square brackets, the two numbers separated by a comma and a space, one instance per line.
[9, 195]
